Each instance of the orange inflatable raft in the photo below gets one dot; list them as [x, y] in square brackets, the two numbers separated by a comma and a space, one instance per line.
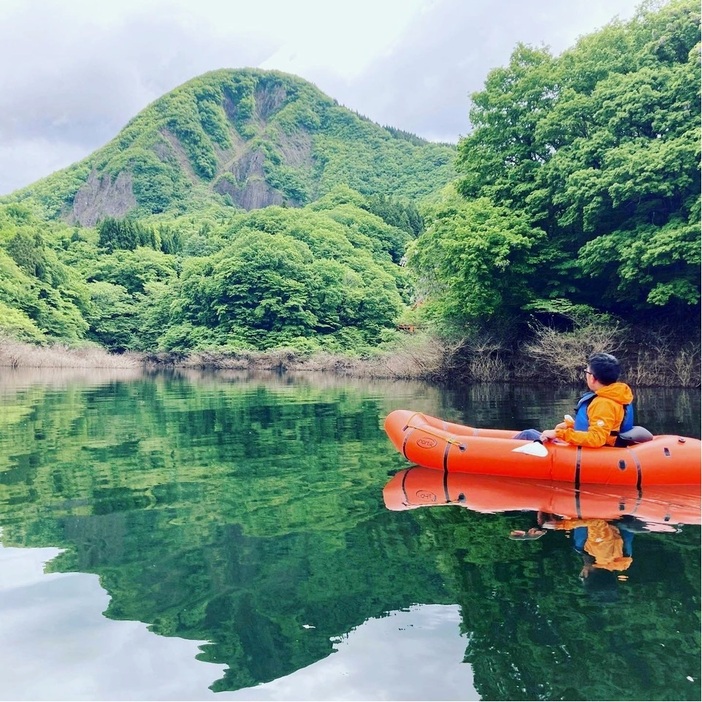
[662, 507]
[454, 448]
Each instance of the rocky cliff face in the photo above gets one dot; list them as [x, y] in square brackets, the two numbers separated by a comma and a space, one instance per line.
[247, 185]
[102, 197]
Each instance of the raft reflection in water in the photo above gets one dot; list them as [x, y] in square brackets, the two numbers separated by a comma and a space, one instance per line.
[601, 519]
[662, 505]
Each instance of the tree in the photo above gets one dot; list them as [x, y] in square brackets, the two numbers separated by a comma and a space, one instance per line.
[112, 316]
[475, 261]
[125, 234]
[132, 270]
[503, 154]
[27, 250]
[599, 148]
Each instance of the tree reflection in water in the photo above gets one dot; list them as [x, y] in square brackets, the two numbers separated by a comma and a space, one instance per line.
[235, 510]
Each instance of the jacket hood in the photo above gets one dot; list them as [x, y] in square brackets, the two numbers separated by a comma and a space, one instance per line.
[619, 392]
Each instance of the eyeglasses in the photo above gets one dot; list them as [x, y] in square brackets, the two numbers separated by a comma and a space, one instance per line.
[587, 372]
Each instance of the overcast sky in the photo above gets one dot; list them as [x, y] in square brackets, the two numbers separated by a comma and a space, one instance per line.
[74, 72]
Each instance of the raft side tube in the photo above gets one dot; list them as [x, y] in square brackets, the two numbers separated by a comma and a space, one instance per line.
[426, 441]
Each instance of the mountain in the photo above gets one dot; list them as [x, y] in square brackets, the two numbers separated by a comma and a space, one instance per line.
[248, 138]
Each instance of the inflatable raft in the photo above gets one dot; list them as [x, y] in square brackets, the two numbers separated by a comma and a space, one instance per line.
[661, 507]
[454, 448]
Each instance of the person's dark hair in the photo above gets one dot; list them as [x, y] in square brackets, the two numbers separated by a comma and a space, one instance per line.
[601, 586]
[604, 367]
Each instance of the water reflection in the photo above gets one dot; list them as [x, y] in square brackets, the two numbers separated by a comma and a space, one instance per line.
[57, 645]
[658, 506]
[243, 517]
[600, 521]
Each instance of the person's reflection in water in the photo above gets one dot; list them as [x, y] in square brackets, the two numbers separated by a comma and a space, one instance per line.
[608, 544]
[605, 547]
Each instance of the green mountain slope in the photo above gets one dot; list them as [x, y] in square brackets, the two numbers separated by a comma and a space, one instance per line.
[247, 138]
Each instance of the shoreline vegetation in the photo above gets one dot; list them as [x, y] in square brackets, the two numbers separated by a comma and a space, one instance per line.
[550, 357]
[275, 230]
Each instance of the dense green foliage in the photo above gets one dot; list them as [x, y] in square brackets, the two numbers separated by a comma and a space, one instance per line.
[320, 277]
[124, 234]
[285, 277]
[579, 189]
[247, 138]
[476, 260]
[593, 158]
[40, 296]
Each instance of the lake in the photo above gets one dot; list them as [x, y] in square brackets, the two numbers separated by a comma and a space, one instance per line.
[229, 536]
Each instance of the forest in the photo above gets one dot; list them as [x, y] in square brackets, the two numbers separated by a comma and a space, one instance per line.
[247, 212]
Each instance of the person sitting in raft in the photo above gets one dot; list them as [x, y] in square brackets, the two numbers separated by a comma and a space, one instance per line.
[601, 414]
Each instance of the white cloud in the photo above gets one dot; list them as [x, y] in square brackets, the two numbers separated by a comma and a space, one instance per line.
[25, 160]
[75, 72]
[409, 655]
[55, 644]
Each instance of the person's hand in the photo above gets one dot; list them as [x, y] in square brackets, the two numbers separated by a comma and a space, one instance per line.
[562, 425]
[548, 434]
[530, 535]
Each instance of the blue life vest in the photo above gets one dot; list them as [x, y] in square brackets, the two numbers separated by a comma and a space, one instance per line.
[582, 423]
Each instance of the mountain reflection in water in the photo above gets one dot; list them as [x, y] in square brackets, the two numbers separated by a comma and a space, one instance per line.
[244, 517]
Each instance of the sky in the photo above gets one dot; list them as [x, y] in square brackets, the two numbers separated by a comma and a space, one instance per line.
[55, 643]
[74, 72]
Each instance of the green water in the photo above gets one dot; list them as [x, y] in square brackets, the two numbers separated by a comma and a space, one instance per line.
[242, 517]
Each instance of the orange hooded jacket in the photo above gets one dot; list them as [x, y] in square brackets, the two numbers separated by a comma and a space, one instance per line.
[604, 542]
[605, 415]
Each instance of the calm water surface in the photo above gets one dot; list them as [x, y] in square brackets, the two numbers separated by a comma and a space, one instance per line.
[194, 536]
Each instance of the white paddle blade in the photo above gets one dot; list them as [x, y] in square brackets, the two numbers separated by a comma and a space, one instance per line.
[535, 448]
